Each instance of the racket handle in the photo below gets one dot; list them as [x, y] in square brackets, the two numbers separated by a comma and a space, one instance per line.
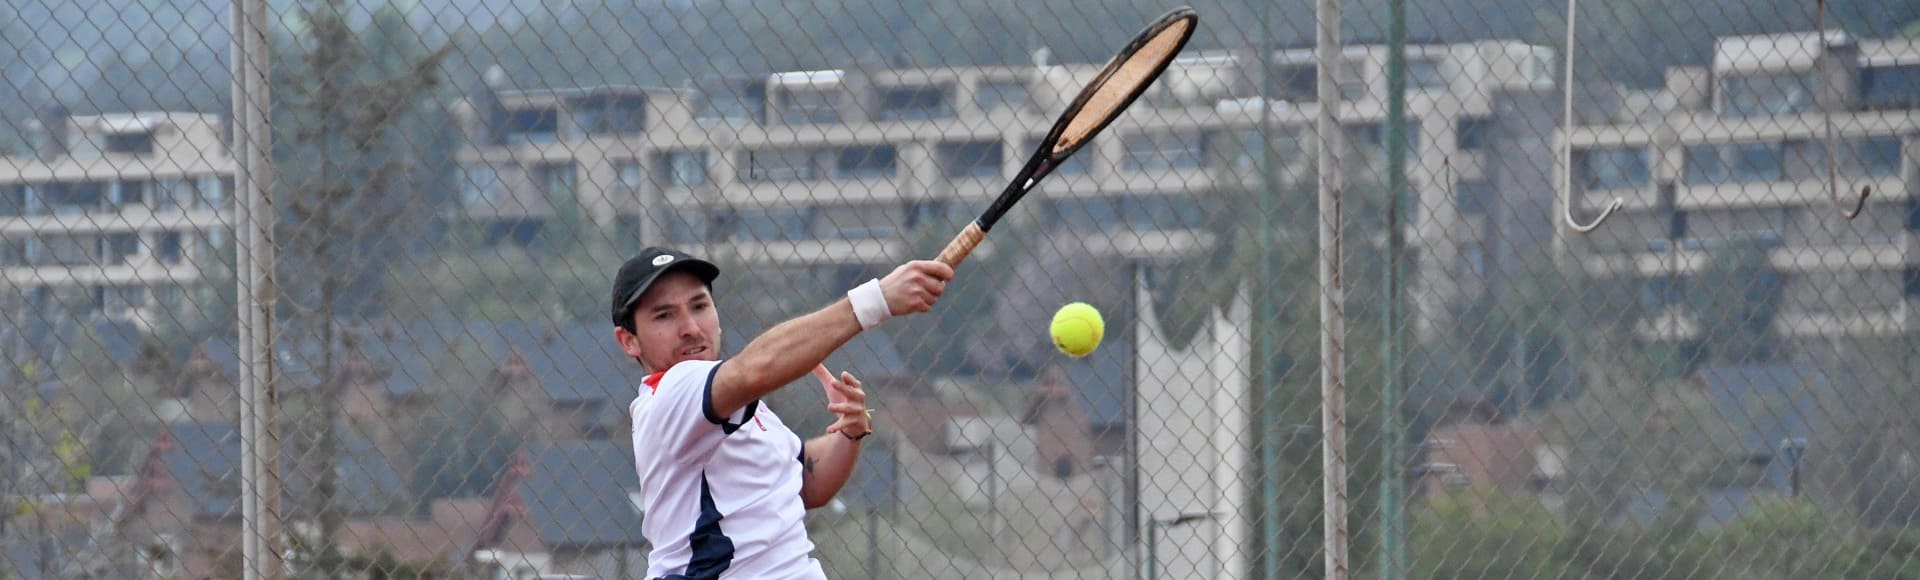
[962, 245]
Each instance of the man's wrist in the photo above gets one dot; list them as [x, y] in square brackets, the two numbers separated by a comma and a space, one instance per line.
[863, 434]
[869, 304]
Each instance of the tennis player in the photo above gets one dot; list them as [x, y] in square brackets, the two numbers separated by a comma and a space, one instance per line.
[725, 482]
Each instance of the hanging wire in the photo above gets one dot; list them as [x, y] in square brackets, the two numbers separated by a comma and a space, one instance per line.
[1566, 142]
[1833, 160]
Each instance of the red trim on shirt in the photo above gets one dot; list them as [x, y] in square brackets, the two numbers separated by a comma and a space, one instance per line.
[653, 381]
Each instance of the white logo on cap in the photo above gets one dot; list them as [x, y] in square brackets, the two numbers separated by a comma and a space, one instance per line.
[662, 260]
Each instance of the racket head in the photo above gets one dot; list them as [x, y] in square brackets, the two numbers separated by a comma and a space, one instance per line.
[1124, 78]
[1120, 82]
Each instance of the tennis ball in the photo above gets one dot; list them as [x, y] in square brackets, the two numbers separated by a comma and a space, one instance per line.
[1077, 329]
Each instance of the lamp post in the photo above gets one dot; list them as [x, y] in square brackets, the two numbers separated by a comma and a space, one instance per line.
[1793, 448]
[1154, 526]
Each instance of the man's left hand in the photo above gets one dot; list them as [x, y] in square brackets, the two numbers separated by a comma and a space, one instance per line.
[846, 399]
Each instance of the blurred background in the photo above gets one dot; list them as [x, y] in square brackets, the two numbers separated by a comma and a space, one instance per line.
[1717, 382]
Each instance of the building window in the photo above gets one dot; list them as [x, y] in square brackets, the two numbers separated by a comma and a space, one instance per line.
[1294, 83]
[971, 160]
[1473, 133]
[1613, 168]
[119, 298]
[1352, 79]
[1735, 163]
[1145, 213]
[1148, 152]
[177, 193]
[129, 193]
[1474, 261]
[995, 95]
[130, 143]
[1890, 87]
[780, 165]
[13, 200]
[940, 214]
[1766, 95]
[783, 224]
[1162, 212]
[734, 104]
[480, 184]
[30, 251]
[1471, 197]
[1369, 141]
[213, 246]
[815, 106]
[1878, 156]
[75, 198]
[1423, 74]
[520, 233]
[213, 192]
[915, 103]
[689, 226]
[1088, 215]
[116, 249]
[557, 181]
[681, 169]
[627, 175]
[541, 125]
[1248, 149]
[610, 115]
[166, 195]
[859, 222]
[13, 252]
[168, 248]
[865, 162]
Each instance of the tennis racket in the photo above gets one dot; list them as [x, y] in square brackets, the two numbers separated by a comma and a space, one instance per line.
[1122, 81]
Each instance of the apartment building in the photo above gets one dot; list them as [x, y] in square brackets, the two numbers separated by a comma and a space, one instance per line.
[831, 169]
[1739, 151]
[118, 216]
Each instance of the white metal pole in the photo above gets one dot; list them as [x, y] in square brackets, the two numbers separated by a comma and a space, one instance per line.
[1333, 329]
[253, 216]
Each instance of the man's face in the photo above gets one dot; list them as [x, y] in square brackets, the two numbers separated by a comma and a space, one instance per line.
[674, 321]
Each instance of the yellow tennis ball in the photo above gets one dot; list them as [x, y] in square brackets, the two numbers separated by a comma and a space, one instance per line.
[1077, 329]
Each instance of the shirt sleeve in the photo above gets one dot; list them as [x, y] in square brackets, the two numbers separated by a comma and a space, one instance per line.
[679, 417]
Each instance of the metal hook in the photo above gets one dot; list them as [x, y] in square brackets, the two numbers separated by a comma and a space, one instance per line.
[1566, 143]
[1833, 168]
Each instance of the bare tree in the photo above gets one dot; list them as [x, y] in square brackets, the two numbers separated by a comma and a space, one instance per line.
[348, 99]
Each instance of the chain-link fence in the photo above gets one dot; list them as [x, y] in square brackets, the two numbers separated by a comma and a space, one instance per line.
[1719, 381]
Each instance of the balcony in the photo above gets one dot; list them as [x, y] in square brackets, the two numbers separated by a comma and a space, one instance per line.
[806, 97]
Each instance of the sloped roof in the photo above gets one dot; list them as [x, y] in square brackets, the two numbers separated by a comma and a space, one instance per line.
[577, 494]
[203, 461]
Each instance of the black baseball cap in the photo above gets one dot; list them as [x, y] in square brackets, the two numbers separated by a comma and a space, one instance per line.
[650, 264]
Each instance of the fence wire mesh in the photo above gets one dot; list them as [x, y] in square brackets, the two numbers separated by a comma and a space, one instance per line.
[1717, 382]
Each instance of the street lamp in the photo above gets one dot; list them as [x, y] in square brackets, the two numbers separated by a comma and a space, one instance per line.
[1153, 536]
[1793, 447]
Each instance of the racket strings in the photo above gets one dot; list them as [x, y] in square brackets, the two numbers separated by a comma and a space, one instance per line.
[1126, 82]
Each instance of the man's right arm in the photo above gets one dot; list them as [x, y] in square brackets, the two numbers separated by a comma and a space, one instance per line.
[793, 348]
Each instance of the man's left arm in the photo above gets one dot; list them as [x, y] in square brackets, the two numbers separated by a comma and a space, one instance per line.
[826, 462]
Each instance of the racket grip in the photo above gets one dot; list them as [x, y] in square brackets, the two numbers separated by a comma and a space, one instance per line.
[962, 245]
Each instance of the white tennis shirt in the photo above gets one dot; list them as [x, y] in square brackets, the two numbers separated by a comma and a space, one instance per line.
[722, 493]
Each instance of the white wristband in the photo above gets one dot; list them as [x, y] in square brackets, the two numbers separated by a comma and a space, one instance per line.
[869, 304]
